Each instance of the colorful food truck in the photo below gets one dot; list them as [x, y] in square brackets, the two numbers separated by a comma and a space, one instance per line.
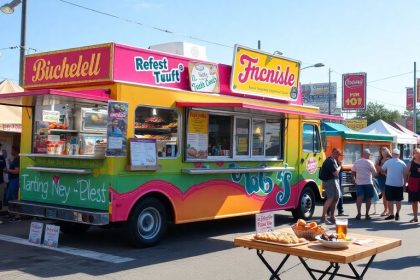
[352, 143]
[114, 133]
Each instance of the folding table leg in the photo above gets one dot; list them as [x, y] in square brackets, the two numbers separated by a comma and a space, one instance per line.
[274, 273]
[364, 270]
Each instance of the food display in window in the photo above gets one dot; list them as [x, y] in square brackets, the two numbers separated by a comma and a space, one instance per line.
[154, 119]
[193, 153]
[93, 120]
[159, 124]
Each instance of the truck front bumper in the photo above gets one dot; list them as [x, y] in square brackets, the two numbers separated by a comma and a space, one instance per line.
[61, 213]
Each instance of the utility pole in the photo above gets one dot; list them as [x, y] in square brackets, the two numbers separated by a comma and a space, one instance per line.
[415, 101]
[329, 91]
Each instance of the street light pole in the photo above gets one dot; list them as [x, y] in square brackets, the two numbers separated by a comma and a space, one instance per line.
[22, 42]
[314, 65]
[8, 9]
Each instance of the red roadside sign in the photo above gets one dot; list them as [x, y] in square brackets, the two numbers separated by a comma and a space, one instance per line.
[354, 91]
[410, 99]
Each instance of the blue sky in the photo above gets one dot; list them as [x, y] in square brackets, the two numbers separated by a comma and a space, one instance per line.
[377, 37]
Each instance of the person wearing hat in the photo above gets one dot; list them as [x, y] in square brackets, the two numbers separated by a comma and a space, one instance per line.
[394, 184]
[362, 172]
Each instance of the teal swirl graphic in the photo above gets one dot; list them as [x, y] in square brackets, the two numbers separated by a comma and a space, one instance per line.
[283, 196]
[258, 184]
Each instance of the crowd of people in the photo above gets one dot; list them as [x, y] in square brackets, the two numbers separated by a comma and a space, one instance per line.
[390, 174]
[9, 179]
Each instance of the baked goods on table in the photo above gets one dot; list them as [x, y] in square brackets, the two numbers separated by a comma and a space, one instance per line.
[279, 237]
[308, 230]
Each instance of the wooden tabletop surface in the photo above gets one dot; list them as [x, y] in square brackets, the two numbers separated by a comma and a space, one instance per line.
[314, 250]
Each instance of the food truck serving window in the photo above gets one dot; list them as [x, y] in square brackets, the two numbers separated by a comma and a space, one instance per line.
[160, 124]
[69, 127]
[352, 152]
[223, 135]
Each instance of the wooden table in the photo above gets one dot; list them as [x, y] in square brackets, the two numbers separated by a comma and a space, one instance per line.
[314, 250]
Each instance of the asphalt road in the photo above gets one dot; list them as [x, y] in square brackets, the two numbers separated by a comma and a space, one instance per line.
[202, 251]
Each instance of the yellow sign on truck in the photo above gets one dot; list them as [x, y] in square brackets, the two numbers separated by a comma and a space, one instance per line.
[257, 73]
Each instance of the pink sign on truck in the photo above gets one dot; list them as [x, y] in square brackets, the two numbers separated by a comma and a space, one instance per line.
[72, 66]
[148, 67]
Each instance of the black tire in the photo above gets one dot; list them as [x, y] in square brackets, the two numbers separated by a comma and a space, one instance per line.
[306, 205]
[147, 223]
[73, 228]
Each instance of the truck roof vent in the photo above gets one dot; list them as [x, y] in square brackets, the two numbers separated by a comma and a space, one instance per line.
[182, 48]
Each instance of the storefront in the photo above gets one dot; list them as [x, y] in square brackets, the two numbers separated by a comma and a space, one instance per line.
[352, 143]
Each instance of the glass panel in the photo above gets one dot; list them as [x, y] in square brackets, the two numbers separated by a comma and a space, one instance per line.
[242, 137]
[160, 124]
[220, 131]
[258, 137]
[308, 136]
[273, 139]
[352, 152]
[311, 138]
[374, 149]
[407, 152]
[317, 139]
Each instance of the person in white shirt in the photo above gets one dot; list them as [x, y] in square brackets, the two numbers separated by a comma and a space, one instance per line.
[394, 184]
[362, 171]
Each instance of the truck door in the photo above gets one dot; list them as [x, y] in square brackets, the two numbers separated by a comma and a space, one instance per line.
[311, 153]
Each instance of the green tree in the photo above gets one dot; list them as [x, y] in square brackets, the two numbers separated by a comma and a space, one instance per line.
[375, 111]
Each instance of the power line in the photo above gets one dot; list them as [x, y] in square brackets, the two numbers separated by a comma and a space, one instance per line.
[390, 77]
[18, 47]
[386, 90]
[164, 30]
[9, 48]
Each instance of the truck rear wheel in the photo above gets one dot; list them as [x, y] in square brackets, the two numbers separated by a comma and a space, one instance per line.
[306, 205]
[147, 222]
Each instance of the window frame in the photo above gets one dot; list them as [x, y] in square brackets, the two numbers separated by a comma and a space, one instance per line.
[233, 157]
[179, 133]
[315, 135]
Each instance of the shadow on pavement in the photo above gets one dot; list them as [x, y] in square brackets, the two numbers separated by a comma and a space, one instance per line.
[181, 241]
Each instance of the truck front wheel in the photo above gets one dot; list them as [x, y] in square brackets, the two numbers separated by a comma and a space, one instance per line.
[147, 222]
[306, 206]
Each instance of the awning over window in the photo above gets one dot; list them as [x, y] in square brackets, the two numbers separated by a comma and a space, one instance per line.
[23, 99]
[256, 107]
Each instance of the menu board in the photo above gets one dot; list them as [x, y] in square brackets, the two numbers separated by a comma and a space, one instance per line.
[197, 135]
[143, 152]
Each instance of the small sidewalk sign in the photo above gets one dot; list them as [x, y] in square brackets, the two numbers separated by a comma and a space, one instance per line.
[264, 222]
[51, 236]
[35, 233]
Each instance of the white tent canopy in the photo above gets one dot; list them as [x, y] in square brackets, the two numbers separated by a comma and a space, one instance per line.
[381, 127]
[10, 117]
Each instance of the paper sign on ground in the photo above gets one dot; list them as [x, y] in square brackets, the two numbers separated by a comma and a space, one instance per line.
[51, 236]
[35, 233]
